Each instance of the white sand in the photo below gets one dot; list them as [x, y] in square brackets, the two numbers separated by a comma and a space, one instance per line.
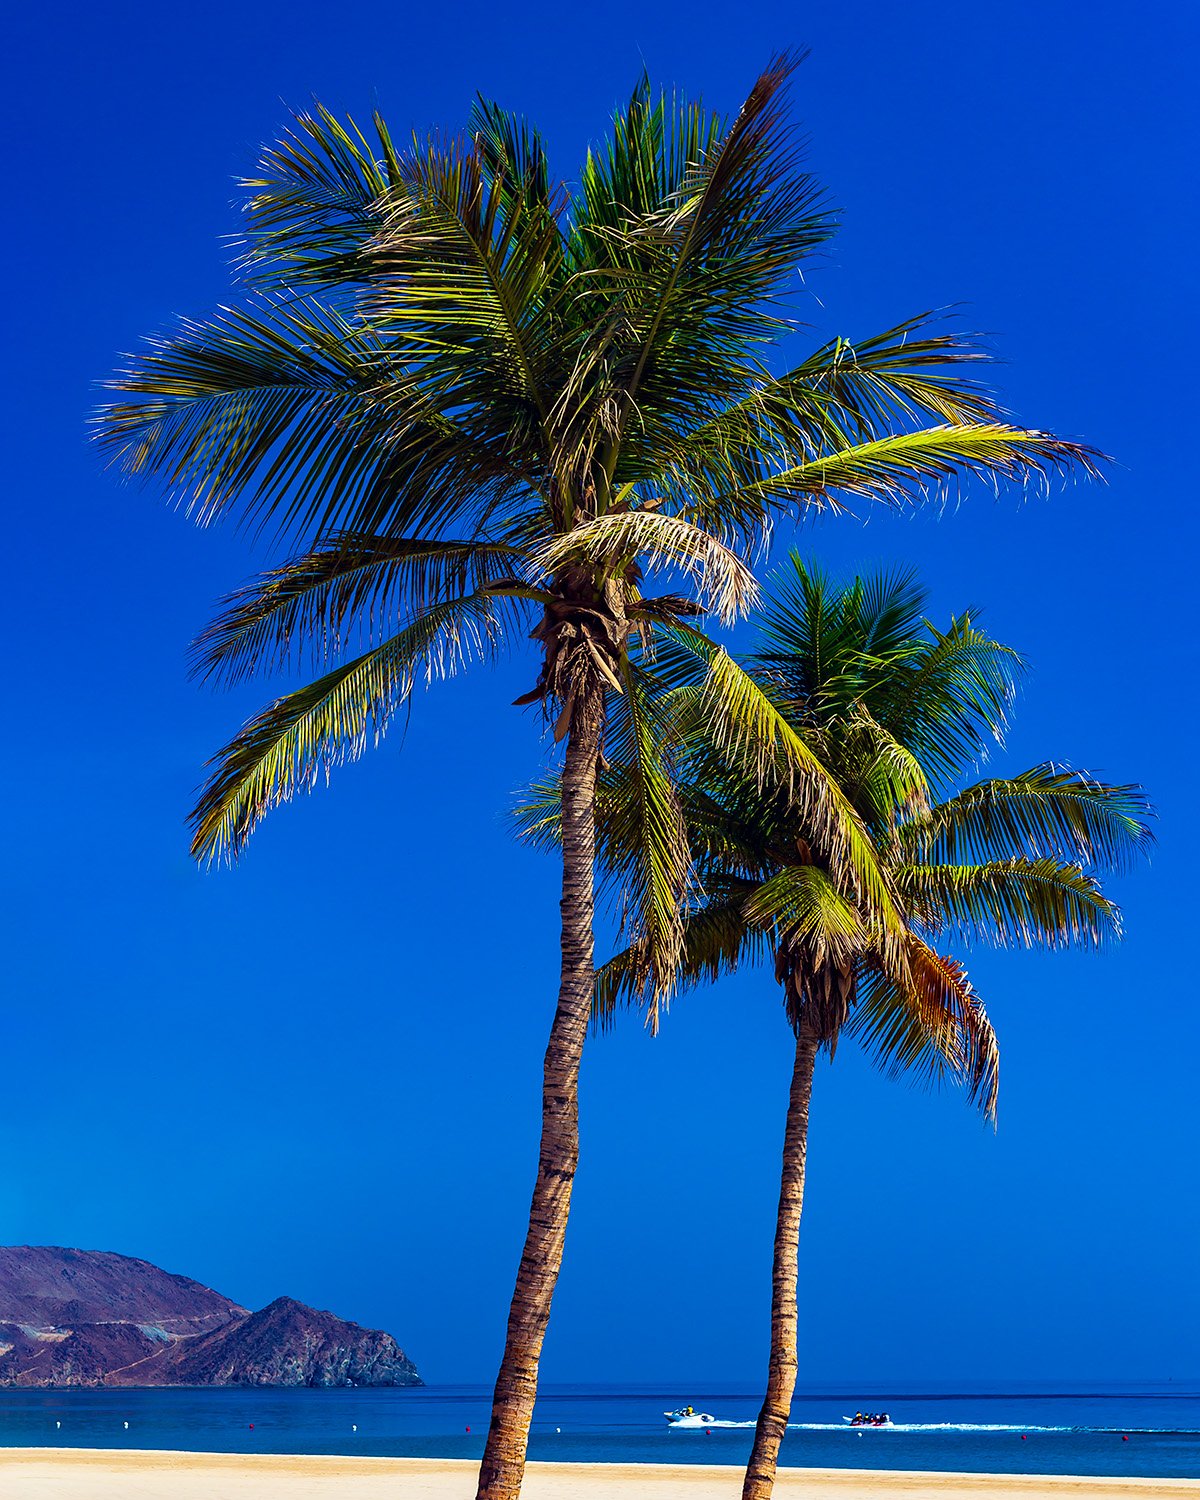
[100, 1474]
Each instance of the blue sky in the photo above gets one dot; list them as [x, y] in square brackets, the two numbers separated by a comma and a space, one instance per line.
[317, 1074]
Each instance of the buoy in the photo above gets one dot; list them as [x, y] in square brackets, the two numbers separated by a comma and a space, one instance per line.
[353, 1426]
[126, 1426]
[558, 1429]
[251, 1426]
[1022, 1437]
[58, 1424]
[468, 1429]
[1125, 1439]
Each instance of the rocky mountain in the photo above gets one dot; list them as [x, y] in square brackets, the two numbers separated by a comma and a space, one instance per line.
[290, 1344]
[46, 1287]
[87, 1317]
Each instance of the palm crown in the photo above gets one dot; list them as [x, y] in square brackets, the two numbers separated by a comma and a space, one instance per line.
[476, 398]
[895, 711]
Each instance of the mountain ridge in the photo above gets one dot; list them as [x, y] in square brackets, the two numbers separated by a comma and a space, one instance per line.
[71, 1317]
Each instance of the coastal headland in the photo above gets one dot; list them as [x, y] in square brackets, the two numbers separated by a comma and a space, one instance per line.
[92, 1318]
[100, 1474]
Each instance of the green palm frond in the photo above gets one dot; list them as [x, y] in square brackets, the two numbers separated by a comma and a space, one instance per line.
[841, 395]
[879, 773]
[300, 737]
[716, 940]
[710, 218]
[300, 420]
[514, 159]
[748, 729]
[1024, 902]
[864, 649]
[357, 586]
[802, 902]
[1048, 811]
[832, 646]
[463, 271]
[953, 701]
[317, 199]
[909, 374]
[537, 817]
[901, 466]
[644, 837]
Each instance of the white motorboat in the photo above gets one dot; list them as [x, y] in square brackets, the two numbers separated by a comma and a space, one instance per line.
[688, 1416]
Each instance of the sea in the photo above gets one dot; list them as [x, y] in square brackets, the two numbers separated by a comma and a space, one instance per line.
[1144, 1429]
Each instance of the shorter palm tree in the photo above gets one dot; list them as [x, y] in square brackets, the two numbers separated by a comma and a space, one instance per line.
[894, 710]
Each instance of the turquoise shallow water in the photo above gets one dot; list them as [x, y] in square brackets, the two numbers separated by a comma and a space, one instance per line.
[1139, 1429]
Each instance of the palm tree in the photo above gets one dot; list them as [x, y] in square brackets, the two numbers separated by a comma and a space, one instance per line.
[894, 710]
[471, 404]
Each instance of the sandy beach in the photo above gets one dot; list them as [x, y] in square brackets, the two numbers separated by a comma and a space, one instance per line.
[100, 1474]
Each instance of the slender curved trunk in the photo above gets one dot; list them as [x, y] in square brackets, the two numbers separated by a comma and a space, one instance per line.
[781, 1374]
[503, 1464]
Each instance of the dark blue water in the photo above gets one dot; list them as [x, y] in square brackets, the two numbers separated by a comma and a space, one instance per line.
[1138, 1430]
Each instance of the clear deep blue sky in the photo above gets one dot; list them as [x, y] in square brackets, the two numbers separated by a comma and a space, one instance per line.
[317, 1074]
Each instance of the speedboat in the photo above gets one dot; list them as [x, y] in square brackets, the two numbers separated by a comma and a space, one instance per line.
[870, 1419]
[688, 1416]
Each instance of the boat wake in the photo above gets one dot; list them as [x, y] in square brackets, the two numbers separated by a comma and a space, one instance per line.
[929, 1427]
[1029, 1427]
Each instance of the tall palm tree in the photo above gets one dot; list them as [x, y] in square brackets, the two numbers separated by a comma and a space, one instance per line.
[471, 404]
[895, 711]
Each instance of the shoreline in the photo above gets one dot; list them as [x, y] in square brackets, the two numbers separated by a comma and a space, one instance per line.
[163, 1474]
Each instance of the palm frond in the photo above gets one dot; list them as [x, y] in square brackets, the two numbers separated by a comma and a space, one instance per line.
[317, 199]
[464, 264]
[716, 940]
[905, 466]
[537, 816]
[514, 159]
[683, 233]
[831, 643]
[907, 374]
[952, 700]
[614, 541]
[644, 838]
[1023, 902]
[841, 395]
[1048, 811]
[355, 587]
[883, 777]
[300, 737]
[293, 417]
[928, 1026]
[728, 224]
[747, 728]
[802, 902]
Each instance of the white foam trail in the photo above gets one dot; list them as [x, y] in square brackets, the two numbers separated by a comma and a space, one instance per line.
[895, 1427]
[689, 1425]
[935, 1427]
[926, 1427]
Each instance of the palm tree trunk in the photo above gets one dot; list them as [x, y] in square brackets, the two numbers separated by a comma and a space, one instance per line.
[503, 1464]
[781, 1375]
